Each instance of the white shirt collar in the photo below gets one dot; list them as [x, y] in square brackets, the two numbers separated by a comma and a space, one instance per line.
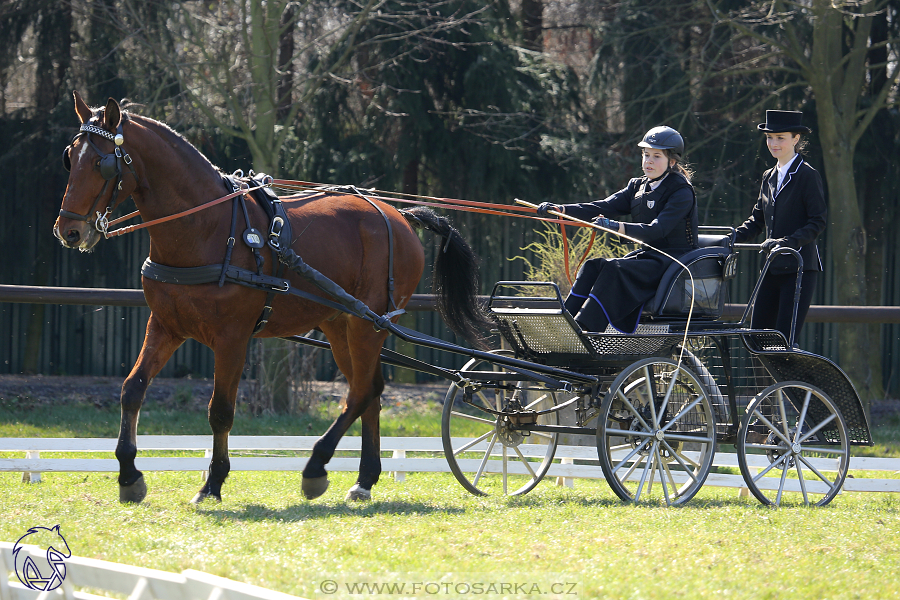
[656, 184]
[783, 170]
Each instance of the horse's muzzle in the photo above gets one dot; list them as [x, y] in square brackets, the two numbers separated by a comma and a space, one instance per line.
[77, 235]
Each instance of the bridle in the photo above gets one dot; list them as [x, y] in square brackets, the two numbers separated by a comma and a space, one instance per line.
[110, 167]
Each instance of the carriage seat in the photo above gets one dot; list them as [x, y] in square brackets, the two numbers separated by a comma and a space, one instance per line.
[711, 265]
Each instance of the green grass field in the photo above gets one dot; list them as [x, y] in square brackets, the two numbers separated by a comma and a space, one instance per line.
[429, 530]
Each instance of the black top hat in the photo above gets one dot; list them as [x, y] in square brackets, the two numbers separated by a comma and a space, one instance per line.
[779, 121]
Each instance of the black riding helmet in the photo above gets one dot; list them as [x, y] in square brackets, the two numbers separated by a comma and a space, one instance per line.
[663, 138]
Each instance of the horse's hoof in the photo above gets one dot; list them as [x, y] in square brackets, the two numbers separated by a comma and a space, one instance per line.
[313, 487]
[133, 493]
[359, 493]
[201, 496]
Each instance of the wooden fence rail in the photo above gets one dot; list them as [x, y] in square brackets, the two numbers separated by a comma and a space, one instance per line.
[408, 454]
[115, 297]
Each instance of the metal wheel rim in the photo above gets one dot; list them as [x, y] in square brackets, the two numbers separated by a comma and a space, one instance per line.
[675, 471]
[803, 450]
[494, 458]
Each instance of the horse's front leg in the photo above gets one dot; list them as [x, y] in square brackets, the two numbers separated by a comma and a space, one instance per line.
[159, 345]
[230, 357]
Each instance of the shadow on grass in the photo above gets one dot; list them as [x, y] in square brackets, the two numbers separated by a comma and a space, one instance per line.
[307, 512]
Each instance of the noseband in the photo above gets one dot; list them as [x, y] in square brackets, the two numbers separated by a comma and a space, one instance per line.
[110, 167]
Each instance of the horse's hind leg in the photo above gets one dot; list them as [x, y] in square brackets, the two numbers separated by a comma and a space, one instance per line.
[370, 457]
[356, 348]
[230, 357]
[159, 345]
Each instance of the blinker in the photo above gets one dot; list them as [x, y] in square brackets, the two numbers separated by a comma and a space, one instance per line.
[67, 162]
[108, 168]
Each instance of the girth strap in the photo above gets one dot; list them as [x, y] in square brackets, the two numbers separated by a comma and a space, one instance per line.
[211, 274]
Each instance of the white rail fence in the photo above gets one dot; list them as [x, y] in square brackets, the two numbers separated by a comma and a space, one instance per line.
[408, 454]
[137, 583]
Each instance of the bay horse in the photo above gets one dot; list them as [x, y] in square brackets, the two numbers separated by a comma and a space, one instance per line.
[342, 236]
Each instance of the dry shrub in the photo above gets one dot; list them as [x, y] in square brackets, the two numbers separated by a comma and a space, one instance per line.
[284, 373]
[549, 261]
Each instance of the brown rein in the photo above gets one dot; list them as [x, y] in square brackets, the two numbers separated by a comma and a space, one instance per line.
[463, 205]
[431, 201]
[211, 203]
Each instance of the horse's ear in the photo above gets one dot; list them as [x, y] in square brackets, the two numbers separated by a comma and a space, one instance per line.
[112, 116]
[82, 109]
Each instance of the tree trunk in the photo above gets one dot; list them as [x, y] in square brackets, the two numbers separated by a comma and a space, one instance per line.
[53, 57]
[848, 240]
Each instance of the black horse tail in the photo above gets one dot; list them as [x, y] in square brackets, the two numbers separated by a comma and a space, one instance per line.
[455, 277]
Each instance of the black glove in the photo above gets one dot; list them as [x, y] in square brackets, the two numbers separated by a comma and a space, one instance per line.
[770, 244]
[544, 208]
[607, 223]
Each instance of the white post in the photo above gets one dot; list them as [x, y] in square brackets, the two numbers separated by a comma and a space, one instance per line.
[744, 492]
[568, 482]
[204, 474]
[399, 476]
[34, 477]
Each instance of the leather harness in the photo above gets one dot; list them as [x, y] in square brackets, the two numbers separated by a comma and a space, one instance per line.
[279, 240]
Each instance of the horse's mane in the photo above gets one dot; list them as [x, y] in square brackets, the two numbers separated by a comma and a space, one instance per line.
[164, 131]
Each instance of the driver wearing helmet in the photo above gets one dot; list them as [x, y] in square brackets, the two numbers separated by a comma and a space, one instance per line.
[663, 211]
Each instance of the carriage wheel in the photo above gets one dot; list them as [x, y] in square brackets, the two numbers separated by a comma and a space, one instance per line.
[793, 445]
[656, 432]
[490, 454]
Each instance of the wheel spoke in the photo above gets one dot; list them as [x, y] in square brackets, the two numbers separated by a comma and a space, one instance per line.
[696, 439]
[665, 471]
[802, 415]
[819, 426]
[669, 390]
[629, 433]
[484, 460]
[629, 455]
[631, 408]
[779, 395]
[784, 472]
[650, 396]
[680, 460]
[771, 427]
[462, 415]
[465, 447]
[539, 400]
[825, 450]
[682, 412]
[771, 466]
[631, 470]
[646, 471]
[525, 462]
[802, 481]
[505, 474]
[815, 470]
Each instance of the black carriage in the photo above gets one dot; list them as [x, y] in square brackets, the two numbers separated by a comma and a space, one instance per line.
[658, 401]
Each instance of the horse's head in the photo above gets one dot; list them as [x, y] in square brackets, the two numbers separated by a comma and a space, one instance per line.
[98, 164]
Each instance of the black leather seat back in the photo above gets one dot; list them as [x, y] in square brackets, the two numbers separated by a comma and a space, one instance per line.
[706, 264]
